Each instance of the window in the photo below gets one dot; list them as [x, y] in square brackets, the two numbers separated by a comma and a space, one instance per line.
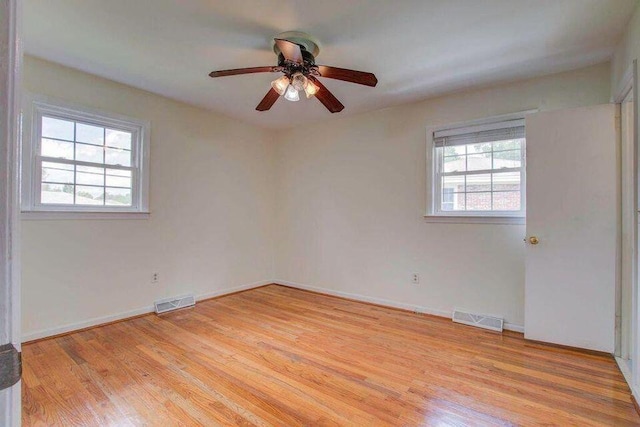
[77, 160]
[479, 169]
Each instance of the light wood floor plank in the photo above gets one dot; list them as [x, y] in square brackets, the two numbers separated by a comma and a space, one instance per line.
[281, 356]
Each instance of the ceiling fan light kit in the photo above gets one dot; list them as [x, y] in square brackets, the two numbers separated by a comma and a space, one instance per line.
[291, 94]
[296, 54]
[298, 81]
[310, 89]
[280, 85]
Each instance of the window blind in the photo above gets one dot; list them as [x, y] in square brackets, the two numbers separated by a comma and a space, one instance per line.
[488, 132]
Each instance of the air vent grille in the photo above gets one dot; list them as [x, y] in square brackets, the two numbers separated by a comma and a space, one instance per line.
[478, 320]
[170, 304]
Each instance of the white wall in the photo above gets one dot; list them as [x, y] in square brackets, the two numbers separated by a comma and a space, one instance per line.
[628, 50]
[339, 205]
[211, 225]
[351, 195]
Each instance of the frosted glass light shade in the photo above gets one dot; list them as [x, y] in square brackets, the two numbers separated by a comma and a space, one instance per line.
[291, 94]
[298, 81]
[280, 85]
[310, 89]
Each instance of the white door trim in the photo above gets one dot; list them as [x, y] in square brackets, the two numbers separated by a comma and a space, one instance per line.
[11, 42]
[635, 375]
[628, 174]
[629, 84]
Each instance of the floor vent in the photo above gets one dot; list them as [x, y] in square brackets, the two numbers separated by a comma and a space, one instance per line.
[478, 320]
[170, 304]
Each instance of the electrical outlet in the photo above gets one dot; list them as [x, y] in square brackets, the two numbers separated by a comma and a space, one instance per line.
[155, 277]
[415, 278]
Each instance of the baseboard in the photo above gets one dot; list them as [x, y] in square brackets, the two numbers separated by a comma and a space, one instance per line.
[635, 397]
[389, 303]
[622, 365]
[635, 403]
[626, 373]
[100, 321]
[229, 291]
[96, 321]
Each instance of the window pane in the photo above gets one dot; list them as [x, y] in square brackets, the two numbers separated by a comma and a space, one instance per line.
[479, 161]
[506, 181]
[89, 175]
[482, 147]
[507, 159]
[56, 128]
[510, 144]
[456, 150]
[89, 134]
[118, 139]
[454, 184]
[473, 177]
[118, 178]
[54, 172]
[90, 163]
[454, 164]
[118, 197]
[89, 195]
[506, 201]
[453, 201]
[59, 194]
[479, 182]
[114, 156]
[62, 166]
[478, 201]
[89, 153]
[57, 149]
[447, 199]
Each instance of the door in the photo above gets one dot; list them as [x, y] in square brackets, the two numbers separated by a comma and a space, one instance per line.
[629, 236]
[9, 304]
[572, 212]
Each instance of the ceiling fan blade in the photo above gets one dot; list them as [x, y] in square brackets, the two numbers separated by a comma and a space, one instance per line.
[353, 76]
[236, 71]
[326, 97]
[269, 99]
[290, 50]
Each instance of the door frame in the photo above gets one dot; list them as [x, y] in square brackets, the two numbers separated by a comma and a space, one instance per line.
[10, 83]
[629, 84]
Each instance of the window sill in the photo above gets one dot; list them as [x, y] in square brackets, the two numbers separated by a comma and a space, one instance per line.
[63, 215]
[468, 219]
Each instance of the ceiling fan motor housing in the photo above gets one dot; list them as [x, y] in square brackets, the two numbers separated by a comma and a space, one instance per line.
[289, 68]
[304, 40]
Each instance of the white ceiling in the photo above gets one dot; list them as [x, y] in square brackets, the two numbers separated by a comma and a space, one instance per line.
[416, 48]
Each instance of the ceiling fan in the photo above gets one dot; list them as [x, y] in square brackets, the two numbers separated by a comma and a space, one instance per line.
[296, 53]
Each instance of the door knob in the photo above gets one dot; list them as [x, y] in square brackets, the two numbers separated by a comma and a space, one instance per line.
[533, 240]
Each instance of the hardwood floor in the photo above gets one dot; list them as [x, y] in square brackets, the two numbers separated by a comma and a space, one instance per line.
[280, 356]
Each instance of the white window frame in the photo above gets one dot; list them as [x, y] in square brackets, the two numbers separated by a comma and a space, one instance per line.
[435, 214]
[35, 107]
